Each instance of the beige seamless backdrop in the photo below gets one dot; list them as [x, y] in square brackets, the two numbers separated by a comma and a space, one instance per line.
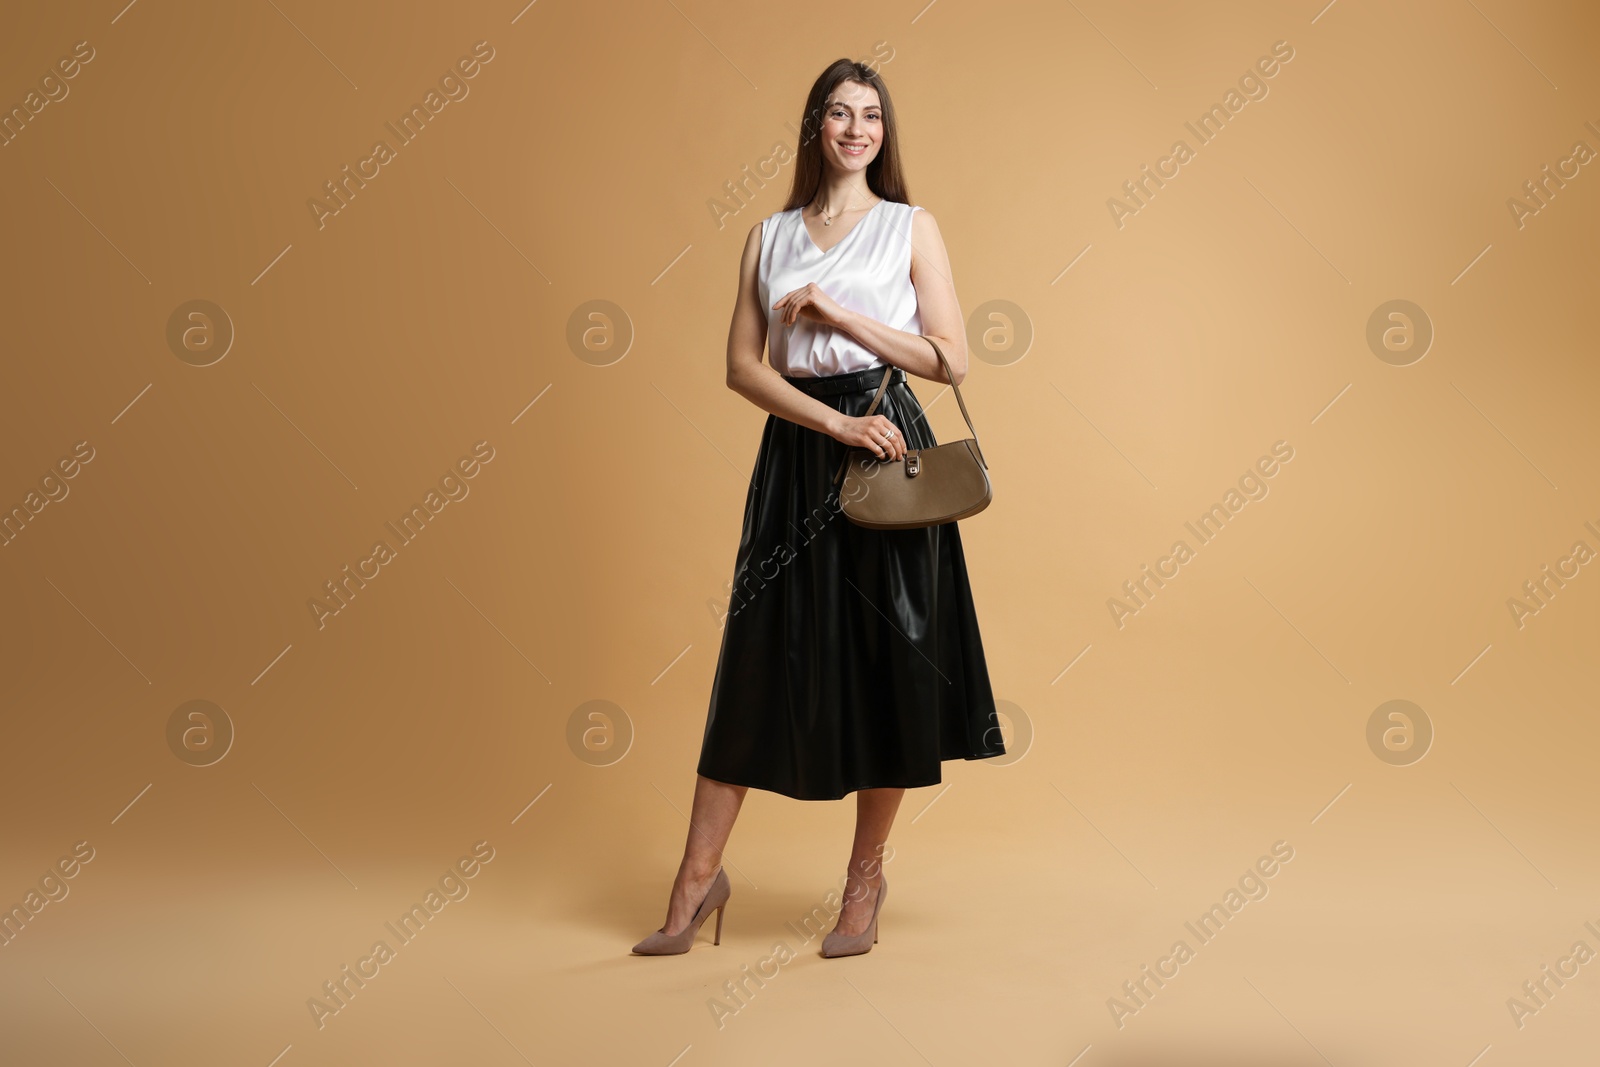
[1352, 721]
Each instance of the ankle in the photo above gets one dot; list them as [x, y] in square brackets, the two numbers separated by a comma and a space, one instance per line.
[697, 872]
[868, 870]
[858, 887]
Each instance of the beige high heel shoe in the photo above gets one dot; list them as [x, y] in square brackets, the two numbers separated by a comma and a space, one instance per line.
[837, 944]
[664, 944]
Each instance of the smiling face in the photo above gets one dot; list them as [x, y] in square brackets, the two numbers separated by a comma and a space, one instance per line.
[852, 128]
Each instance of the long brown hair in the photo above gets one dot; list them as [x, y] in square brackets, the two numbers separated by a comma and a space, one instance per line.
[884, 175]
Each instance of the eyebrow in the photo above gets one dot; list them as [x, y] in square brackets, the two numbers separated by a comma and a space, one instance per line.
[840, 103]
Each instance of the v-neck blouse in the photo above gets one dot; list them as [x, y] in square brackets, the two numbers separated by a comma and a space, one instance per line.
[868, 271]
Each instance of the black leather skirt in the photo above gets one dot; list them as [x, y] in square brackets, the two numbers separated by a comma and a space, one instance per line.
[850, 657]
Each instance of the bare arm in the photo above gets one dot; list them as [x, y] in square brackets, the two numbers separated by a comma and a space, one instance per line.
[748, 374]
[936, 301]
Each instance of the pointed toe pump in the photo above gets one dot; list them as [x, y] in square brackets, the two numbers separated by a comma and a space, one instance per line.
[664, 944]
[837, 944]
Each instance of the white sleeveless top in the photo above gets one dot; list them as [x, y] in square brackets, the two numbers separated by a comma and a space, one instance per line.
[869, 271]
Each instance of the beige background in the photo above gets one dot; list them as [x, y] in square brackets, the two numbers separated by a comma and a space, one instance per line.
[586, 563]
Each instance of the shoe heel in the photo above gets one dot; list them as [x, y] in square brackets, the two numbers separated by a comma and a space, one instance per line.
[663, 944]
[837, 944]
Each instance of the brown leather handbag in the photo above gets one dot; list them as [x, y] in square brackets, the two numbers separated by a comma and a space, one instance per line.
[927, 487]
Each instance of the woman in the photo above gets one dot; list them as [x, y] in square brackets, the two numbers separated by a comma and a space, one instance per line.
[851, 660]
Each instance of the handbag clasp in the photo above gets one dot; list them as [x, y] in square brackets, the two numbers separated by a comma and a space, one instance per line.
[913, 464]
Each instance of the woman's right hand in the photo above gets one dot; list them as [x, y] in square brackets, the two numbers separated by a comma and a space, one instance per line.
[875, 433]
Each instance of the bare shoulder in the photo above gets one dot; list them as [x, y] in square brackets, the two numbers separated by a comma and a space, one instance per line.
[925, 234]
[927, 242]
[752, 247]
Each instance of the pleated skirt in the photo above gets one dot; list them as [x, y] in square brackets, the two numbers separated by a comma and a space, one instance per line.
[850, 658]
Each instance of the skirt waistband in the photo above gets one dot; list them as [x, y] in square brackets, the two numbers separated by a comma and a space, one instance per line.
[861, 381]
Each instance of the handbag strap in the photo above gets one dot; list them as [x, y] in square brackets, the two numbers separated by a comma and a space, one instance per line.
[883, 385]
[844, 460]
[963, 403]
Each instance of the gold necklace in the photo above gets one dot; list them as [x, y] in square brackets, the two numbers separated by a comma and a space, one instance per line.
[827, 219]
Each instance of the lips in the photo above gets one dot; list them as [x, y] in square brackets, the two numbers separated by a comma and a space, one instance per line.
[852, 150]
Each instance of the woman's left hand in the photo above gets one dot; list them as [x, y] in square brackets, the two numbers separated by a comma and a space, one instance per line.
[809, 300]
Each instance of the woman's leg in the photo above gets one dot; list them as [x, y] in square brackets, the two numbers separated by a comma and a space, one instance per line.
[875, 811]
[716, 806]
